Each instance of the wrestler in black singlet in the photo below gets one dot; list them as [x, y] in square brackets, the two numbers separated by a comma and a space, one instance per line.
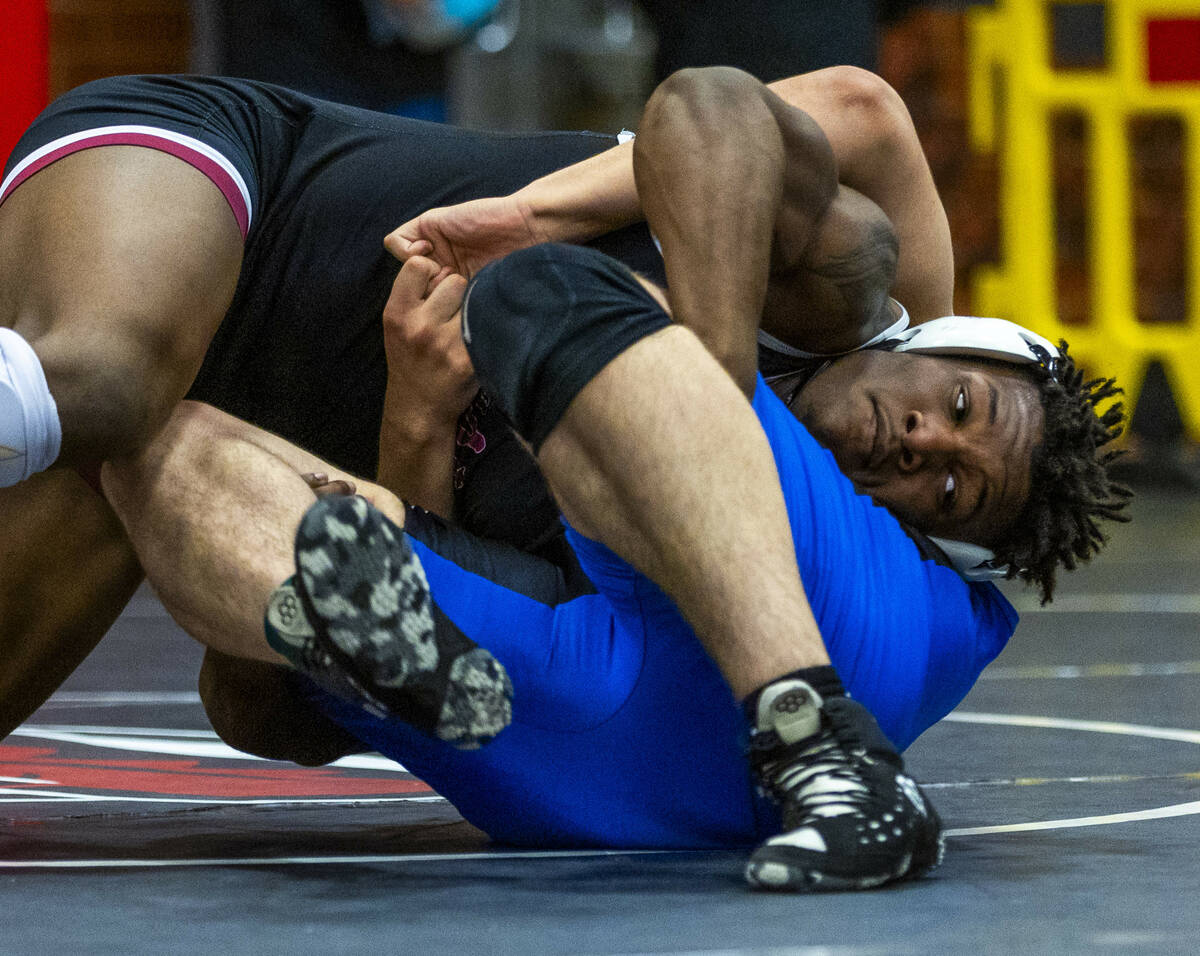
[300, 352]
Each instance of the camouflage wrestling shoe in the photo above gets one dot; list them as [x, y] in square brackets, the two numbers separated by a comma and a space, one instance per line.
[852, 820]
[358, 619]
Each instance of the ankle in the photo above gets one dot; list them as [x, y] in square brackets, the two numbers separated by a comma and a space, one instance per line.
[824, 680]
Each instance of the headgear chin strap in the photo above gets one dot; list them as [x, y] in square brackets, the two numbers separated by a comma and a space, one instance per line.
[967, 336]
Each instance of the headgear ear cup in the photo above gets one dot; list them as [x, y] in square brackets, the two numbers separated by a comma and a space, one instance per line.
[973, 337]
[973, 562]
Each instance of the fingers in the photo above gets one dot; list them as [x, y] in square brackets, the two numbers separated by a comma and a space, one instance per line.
[425, 285]
[444, 307]
[446, 298]
[336, 487]
[321, 485]
[413, 283]
[405, 242]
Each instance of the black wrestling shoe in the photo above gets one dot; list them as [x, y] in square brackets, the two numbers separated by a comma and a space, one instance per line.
[852, 819]
[358, 619]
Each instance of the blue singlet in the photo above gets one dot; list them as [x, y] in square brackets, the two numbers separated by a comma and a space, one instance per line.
[624, 733]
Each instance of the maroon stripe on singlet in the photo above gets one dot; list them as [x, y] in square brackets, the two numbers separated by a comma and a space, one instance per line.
[162, 142]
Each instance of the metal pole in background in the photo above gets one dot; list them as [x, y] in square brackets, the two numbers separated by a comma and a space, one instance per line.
[554, 64]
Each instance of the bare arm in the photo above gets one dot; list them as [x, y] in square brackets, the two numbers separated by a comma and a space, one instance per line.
[879, 155]
[586, 199]
[430, 382]
[572, 204]
[874, 145]
[721, 162]
[416, 461]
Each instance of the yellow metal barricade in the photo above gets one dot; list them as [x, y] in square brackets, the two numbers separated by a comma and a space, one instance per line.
[1151, 67]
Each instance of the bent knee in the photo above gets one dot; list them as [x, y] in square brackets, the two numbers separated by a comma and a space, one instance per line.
[541, 323]
[184, 440]
[108, 405]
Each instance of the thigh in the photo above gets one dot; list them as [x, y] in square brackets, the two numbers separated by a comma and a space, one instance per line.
[211, 505]
[119, 263]
[255, 707]
[226, 429]
[66, 571]
[117, 240]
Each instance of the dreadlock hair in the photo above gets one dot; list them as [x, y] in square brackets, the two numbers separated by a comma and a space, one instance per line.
[1070, 488]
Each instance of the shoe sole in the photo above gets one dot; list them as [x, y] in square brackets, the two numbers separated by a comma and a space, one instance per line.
[289, 632]
[367, 596]
[768, 873]
[365, 591]
[779, 867]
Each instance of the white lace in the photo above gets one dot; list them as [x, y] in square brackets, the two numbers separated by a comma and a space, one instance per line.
[825, 784]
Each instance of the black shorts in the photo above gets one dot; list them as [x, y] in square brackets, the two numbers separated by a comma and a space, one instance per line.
[315, 186]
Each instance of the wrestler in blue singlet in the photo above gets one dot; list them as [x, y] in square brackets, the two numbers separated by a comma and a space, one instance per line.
[624, 732]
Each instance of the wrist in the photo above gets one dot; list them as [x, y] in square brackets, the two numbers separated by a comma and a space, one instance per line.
[417, 427]
[582, 201]
[550, 214]
[416, 463]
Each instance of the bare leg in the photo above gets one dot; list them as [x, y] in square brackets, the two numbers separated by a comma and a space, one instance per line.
[212, 507]
[254, 708]
[652, 461]
[119, 262]
[68, 570]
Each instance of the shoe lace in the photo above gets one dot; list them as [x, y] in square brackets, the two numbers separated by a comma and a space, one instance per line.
[821, 779]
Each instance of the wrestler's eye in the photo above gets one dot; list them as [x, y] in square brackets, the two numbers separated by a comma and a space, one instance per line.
[949, 492]
[960, 405]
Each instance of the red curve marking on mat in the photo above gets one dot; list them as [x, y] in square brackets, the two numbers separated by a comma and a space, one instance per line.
[198, 778]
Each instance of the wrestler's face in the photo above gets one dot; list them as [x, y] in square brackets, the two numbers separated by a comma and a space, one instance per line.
[945, 444]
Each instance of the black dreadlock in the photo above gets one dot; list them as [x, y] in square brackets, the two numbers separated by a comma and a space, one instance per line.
[1070, 488]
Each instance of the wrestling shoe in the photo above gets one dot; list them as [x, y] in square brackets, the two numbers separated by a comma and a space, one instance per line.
[852, 819]
[358, 619]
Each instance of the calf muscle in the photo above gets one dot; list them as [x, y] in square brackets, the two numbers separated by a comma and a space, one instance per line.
[66, 572]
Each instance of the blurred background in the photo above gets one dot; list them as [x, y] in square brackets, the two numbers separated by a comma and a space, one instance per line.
[1060, 132]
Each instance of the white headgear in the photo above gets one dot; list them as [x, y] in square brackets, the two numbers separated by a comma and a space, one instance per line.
[973, 337]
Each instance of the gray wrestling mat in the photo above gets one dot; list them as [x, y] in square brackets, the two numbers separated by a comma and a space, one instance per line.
[1069, 780]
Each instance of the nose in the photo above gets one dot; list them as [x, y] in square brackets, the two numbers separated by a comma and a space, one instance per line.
[927, 441]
